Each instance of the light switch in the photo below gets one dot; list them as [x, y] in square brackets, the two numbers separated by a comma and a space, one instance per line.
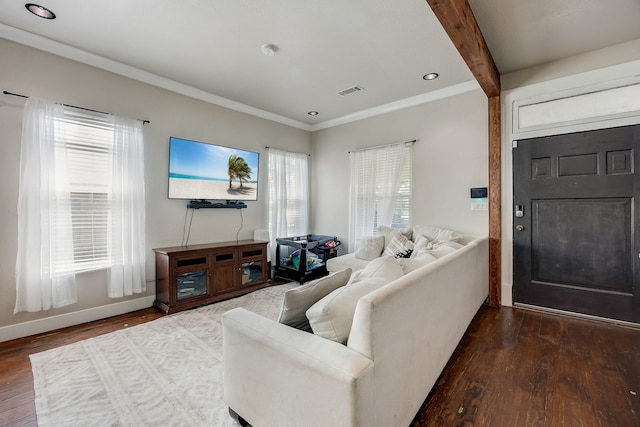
[480, 204]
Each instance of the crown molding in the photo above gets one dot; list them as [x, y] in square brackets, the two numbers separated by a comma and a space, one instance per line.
[446, 92]
[66, 51]
[79, 55]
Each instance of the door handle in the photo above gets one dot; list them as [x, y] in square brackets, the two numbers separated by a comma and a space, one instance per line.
[519, 227]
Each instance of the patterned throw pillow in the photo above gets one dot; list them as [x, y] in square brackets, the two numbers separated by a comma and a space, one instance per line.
[405, 254]
[389, 233]
[399, 245]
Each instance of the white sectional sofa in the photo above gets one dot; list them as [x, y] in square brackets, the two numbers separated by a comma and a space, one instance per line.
[400, 338]
[360, 259]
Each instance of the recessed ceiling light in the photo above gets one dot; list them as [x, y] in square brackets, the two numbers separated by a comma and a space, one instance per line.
[269, 49]
[40, 11]
[313, 113]
[430, 76]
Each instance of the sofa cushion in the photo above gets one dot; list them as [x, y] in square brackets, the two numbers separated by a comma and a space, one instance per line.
[331, 317]
[370, 247]
[398, 245]
[346, 261]
[297, 301]
[435, 234]
[384, 267]
[422, 258]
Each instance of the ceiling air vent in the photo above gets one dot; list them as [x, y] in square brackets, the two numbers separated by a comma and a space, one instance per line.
[350, 90]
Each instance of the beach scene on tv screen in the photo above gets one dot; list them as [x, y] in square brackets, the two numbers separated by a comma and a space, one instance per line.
[199, 170]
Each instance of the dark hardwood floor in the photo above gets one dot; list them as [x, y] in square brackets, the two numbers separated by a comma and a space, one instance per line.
[518, 367]
[17, 406]
[513, 368]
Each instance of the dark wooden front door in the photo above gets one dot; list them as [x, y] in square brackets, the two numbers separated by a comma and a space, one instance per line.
[575, 244]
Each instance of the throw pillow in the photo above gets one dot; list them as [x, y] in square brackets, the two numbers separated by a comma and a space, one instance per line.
[441, 249]
[448, 244]
[420, 244]
[405, 254]
[331, 317]
[436, 234]
[398, 245]
[297, 301]
[370, 247]
[389, 233]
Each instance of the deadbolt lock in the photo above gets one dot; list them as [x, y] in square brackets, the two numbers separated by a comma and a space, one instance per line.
[519, 211]
[519, 227]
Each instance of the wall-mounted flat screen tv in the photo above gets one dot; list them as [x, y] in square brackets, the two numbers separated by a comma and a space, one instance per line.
[201, 171]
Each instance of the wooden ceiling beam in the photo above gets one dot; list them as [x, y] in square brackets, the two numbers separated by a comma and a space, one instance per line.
[457, 19]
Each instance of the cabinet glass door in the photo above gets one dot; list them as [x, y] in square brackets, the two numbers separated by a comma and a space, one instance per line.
[251, 272]
[192, 284]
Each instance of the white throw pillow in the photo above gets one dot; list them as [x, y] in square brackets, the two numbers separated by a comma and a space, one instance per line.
[441, 249]
[436, 234]
[370, 247]
[447, 244]
[399, 244]
[420, 244]
[389, 233]
[297, 301]
[422, 258]
[331, 317]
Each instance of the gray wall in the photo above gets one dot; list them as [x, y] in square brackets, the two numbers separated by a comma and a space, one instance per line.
[449, 158]
[32, 72]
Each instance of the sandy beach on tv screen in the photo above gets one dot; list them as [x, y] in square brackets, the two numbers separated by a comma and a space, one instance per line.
[182, 188]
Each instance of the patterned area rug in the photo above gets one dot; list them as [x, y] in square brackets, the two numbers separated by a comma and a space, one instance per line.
[165, 372]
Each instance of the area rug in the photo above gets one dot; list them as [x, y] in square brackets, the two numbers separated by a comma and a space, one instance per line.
[165, 372]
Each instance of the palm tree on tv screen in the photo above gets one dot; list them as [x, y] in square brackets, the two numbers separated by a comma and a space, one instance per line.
[238, 169]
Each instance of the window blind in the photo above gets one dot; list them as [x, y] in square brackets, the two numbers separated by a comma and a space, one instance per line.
[380, 190]
[404, 200]
[84, 146]
[288, 194]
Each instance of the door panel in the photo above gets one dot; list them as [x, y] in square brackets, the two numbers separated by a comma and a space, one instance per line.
[595, 255]
[575, 246]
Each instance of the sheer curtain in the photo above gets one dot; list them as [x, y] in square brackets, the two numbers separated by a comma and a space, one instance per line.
[127, 222]
[81, 204]
[44, 278]
[288, 194]
[373, 189]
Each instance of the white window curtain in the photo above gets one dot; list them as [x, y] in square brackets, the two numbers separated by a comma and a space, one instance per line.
[380, 190]
[80, 204]
[288, 194]
[43, 202]
[127, 224]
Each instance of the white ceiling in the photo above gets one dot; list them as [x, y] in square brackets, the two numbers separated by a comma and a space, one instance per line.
[525, 33]
[210, 49]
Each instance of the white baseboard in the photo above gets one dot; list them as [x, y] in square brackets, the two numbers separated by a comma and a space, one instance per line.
[506, 296]
[75, 318]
